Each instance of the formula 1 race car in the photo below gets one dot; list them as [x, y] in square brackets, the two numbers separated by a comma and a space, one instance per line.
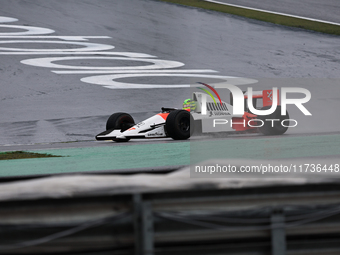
[200, 114]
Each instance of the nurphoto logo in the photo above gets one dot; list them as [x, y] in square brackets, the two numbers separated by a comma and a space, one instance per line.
[240, 101]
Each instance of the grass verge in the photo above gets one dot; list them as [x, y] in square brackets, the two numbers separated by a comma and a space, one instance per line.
[263, 16]
[24, 155]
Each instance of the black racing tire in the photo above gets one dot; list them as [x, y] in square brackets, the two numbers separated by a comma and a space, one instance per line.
[277, 128]
[179, 124]
[122, 121]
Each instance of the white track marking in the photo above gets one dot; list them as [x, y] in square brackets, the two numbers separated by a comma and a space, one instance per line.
[99, 50]
[157, 63]
[87, 46]
[108, 80]
[127, 54]
[7, 19]
[29, 30]
[66, 38]
[137, 71]
[276, 13]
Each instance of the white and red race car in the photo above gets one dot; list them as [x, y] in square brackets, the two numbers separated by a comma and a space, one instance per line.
[180, 124]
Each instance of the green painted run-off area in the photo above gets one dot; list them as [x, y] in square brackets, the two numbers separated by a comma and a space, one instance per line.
[275, 18]
[138, 154]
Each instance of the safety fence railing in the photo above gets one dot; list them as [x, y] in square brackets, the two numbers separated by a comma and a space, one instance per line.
[291, 219]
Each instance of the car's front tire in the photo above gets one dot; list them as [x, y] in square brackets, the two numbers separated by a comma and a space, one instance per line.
[122, 121]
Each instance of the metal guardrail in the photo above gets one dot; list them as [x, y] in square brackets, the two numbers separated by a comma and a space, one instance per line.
[292, 219]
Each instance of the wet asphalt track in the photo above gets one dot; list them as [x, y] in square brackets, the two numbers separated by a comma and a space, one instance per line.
[40, 106]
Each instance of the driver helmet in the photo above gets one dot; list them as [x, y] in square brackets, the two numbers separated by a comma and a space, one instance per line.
[189, 105]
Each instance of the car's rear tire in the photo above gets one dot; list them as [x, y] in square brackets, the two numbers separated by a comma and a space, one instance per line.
[122, 121]
[274, 127]
[179, 125]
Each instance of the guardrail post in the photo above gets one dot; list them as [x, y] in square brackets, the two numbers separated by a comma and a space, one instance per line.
[143, 226]
[278, 233]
